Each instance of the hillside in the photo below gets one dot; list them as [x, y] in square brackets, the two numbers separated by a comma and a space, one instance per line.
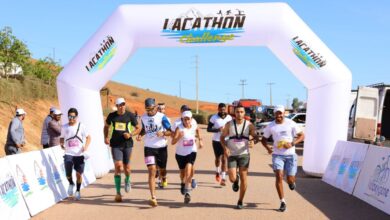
[37, 109]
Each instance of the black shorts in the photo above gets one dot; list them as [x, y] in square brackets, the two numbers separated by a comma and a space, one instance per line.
[182, 161]
[76, 162]
[121, 154]
[156, 156]
[218, 149]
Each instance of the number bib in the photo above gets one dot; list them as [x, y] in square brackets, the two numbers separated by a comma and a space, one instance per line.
[188, 142]
[150, 160]
[73, 143]
[119, 126]
[239, 142]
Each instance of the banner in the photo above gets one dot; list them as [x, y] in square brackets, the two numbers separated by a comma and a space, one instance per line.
[12, 205]
[345, 164]
[373, 185]
[35, 179]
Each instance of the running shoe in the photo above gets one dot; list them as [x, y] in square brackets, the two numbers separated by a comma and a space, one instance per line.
[127, 187]
[118, 198]
[187, 198]
[239, 205]
[194, 184]
[164, 183]
[77, 195]
[153, 202]
[70, 190]
[217, 177]
[283, 207]
[292, 186]
[236, 184]
[182, 188]
[223, 182]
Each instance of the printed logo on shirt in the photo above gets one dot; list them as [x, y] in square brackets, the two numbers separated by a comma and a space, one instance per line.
[120, 126]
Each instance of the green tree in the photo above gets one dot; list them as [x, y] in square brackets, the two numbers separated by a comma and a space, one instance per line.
[45, 69]
[295, 104]
[12, 50]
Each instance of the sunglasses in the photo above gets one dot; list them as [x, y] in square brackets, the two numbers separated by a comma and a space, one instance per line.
[149, 109]
[72, 117]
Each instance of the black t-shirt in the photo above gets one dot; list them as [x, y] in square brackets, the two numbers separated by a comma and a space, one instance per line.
[121, 124]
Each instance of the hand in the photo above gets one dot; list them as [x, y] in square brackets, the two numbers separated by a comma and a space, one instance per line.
[200, 144]
[221, 128]
[107, 141]
[269, 150]
[160, 134]
[19, 145]
[138, 138]
[62, 146]
[251, 143]
[227, 152]
[127, 135]
[288, 145]
[84, 148]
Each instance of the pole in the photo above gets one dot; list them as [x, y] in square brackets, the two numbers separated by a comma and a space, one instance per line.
[270, 92]
[197, 85]
[243, 84]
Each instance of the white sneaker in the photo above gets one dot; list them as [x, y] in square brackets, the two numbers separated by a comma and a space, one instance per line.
[77, 195]
[127, 187]
[70, 190]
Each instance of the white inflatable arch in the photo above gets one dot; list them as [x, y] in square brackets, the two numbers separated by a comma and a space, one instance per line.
[274, 25]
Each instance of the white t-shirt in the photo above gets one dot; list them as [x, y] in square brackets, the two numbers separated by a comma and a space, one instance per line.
[73, 145]
[282, 133]
[153, 124]
[187, 143]
[179, 121]
[219, 123]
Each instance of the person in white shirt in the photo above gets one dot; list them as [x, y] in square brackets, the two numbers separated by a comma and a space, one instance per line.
[284, 158]
[75, 139]
[186, 150]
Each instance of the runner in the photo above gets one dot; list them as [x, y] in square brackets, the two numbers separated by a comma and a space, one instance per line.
[75, 139]
[216, 125]
[159, 183]
[155, 127]
[236, 148]
[124, 126]
[186, 149]
[284, 158]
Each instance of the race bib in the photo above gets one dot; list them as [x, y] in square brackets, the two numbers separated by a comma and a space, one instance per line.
[73, 143]
[150, 160]
[239, 142]
[188, 142]
[119, 126]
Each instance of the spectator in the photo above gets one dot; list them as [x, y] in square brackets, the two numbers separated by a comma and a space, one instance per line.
[15, 137]
[44, 134]
[54, 129]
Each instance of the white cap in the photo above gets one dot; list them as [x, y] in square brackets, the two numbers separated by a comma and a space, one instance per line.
[52, 109]
[187, 114]
[119, 101]
[20, 111]
[57, 112]
[279, 108]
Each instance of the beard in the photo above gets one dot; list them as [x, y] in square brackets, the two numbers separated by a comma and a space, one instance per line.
[222, 114]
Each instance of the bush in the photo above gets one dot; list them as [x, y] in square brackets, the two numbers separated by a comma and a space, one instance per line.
[135, 94]
[201, 118]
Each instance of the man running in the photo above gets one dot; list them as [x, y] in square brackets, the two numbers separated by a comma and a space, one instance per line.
[75, 139]
[155, 127]
[216, 125]
[185, 136]
[44, 134]
[236, 148]
[124, 126]
[284, 158]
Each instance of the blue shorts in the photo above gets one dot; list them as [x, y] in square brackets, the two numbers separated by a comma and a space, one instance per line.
[288, 163]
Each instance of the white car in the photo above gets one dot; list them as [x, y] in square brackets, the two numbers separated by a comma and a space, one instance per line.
[299, 118]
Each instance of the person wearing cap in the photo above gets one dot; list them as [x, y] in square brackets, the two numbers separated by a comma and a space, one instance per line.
[186, 148]
[284, 158]
[15, 136]
[216, 124]
[237, 137]
[54, 129]
[155, 127]
[75, 139]
[44, 134]
[124, 126]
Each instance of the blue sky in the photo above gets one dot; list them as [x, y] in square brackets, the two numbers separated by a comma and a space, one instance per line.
[358, 32]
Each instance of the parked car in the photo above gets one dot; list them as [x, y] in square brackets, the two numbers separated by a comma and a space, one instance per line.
[299, 118]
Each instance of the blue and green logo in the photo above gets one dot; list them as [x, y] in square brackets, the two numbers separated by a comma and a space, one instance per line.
[9, 192]
[193, 27]
[100, 59]
[310, 58]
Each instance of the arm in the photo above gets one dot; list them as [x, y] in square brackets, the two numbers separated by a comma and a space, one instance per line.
[141, 133]
[14, 135]
[167, 126]
[55, 127]
[176, 136]
[87, 143]
[211, 129]
[199, 138]
[255, 137]
[266, 135]
[106, 139]
[224, 134]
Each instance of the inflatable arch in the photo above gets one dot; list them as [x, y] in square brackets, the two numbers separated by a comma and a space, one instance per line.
[274, 25]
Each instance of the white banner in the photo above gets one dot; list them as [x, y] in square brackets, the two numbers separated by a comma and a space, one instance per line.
[33, 178]
[12, 205]
[345, 164]
[373, 185]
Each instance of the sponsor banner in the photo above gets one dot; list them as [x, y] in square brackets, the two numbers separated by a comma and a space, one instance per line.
[373, 185]
[345, 165]
[33, 176]
[12, 205]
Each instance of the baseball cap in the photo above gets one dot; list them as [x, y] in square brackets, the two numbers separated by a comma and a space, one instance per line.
[119, 101]
[150, 102]
[187, 114]
[52, 109]
[20, 111]
[57, 112]
[279, 108]
[185, 108]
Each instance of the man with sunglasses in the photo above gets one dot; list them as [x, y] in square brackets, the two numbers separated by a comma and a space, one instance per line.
[155, 127]
[75, 139]
[124, 126]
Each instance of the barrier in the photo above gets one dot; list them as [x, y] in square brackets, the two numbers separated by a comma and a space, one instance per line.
[373, 185]
[345, 165]
[12, 205]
